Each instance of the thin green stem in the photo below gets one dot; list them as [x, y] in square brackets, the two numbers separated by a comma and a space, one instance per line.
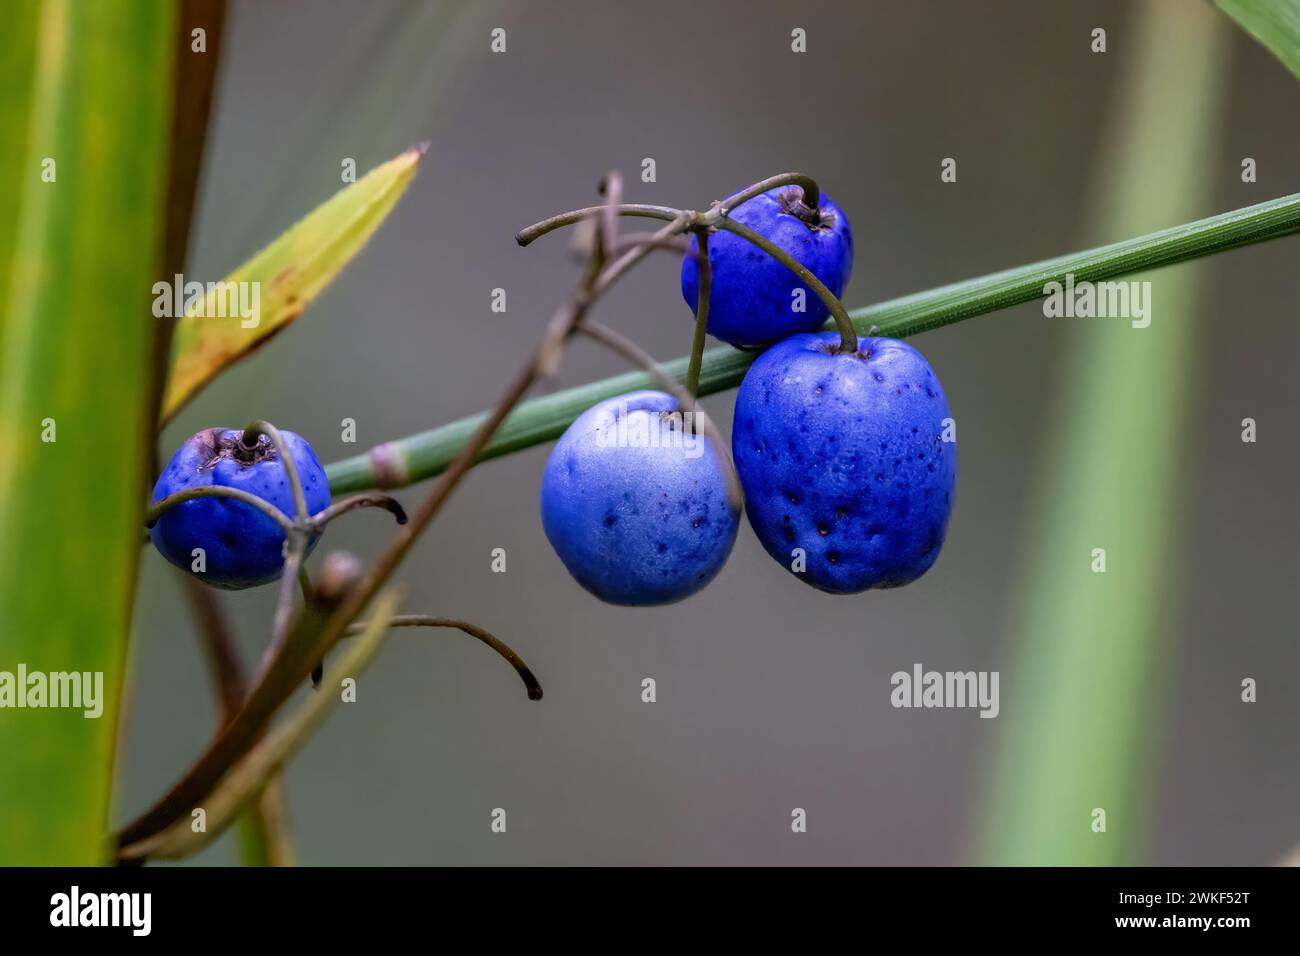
[424, 455]
[848, 334]
[704, 290]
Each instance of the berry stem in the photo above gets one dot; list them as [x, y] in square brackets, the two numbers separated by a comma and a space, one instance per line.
[249, 440]
[158, 509]
[611, 187]
[686, 402]
[812, 194]
[368, 500]
[473, 630]
[529, 233]
[848, 334]
[632, 239]
[295, 550]
[295, 540]
[704, 293]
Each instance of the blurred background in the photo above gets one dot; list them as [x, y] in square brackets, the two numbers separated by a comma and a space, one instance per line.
[1120, 691]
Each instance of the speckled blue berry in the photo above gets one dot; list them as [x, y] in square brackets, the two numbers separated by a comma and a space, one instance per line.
[752, 302]
[844, 456]
[635, 506]
[242, 547]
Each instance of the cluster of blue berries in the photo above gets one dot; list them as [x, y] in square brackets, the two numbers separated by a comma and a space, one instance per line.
[847, 460]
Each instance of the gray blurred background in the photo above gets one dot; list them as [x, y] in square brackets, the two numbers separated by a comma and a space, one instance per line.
[770, 695]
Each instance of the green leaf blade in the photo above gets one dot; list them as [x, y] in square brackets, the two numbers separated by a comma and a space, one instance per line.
[77, 350]
[17, 76]
[1273, 23]
[289, 274]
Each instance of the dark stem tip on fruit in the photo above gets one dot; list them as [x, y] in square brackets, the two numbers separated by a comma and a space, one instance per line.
[815, 218]
[863, 351]
[216, 445]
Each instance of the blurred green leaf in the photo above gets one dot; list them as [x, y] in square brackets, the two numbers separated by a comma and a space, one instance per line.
[289, 274]
[1082, 687]
[76, 359]
[17, 73]
[394, 86]
[1274, 23]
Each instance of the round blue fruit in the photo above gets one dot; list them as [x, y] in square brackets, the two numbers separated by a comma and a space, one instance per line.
[634, 501]
[242, 546]
[850, 457]
[752, 302]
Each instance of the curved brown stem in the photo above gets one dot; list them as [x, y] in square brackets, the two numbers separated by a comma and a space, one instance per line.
[536, 230]
[633, 239]
[367, 500]
[611, 187]
[249, 440]
[473, 630]
[812, 194]
[703, 292]
[622, 345]
[158, 509]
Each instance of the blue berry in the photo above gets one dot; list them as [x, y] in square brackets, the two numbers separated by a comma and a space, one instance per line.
[844, 456]
[242, 546]
[636, 505]
[752, 301]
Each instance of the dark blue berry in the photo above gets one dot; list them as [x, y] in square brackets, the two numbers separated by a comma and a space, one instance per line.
[752, 302]
[242, 546]
[844, 456]
[634, 501]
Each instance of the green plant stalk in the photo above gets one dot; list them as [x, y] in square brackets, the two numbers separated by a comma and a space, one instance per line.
[1082, 681]
[86, 252]
[542, 419]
